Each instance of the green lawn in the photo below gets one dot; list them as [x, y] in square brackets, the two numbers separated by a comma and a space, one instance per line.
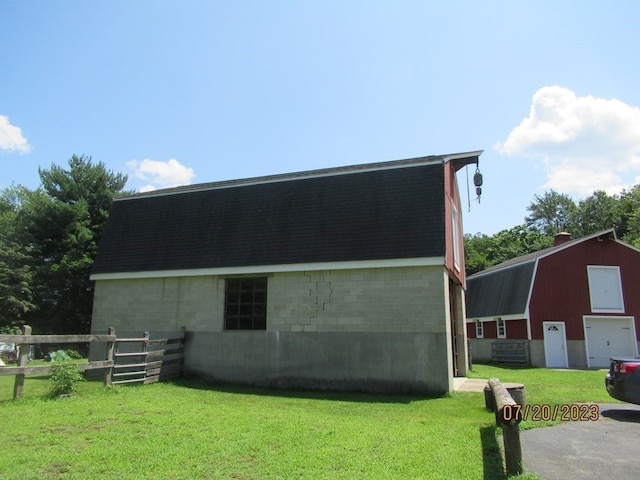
[188, 430]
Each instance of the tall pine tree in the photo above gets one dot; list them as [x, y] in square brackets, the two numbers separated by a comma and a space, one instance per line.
[60, 225]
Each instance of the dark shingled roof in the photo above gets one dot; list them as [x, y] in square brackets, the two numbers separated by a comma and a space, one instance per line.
[339, 215]
[504, 292]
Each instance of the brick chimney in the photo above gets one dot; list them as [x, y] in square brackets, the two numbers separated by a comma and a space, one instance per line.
[560, 238]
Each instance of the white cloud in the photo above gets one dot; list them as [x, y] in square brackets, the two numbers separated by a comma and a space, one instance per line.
[586, 143]
[160, 174]
[11, 137]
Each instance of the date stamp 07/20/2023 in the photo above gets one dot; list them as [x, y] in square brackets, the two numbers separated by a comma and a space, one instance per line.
[585, 412]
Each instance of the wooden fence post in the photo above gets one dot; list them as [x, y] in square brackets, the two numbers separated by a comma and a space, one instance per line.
[512, 448]
[508, 416]
[110, 346]
[23, 350]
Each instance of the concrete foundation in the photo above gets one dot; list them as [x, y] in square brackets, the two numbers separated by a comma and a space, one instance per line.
[407, 363]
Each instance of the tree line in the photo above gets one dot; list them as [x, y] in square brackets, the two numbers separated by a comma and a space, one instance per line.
[550, 214]
[48, 241]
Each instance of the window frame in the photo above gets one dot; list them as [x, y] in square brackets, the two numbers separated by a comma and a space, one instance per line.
[479, 329]
[245, 303]
[501, 324]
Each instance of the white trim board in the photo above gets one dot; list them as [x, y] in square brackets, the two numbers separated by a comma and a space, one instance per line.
[295, 267]
[516, 316]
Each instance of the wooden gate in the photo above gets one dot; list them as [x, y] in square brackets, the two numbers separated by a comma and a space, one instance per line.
[149, 358]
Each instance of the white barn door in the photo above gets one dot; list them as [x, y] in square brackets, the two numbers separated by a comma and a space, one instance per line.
[555, 345]
[607, 337]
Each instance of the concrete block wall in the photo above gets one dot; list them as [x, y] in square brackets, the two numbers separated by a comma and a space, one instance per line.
[363, 300]
[408, 299]
[162, 304]
[365, 329]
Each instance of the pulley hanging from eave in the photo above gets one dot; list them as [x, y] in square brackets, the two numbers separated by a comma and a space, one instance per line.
[477, 181]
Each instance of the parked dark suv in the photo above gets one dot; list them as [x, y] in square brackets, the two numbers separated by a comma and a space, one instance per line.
[623, 380]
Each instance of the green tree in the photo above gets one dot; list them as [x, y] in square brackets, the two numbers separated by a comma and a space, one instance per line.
[61, 224]
[476, 252]
[482, 251]
[597, 212]
[551, 213]
[61, 247]
[16, 296]
[515, 242]
[84, 181]
[628, 213]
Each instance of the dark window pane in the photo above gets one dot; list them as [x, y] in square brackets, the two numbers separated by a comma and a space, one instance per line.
[233, 285]
[246, 323]
[246, 297]
[246, 304]
[231, 309]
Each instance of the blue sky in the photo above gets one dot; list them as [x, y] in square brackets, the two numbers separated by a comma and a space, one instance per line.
[178, 92]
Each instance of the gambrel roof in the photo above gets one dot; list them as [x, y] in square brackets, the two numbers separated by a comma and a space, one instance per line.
[504, 289]
[380, 211]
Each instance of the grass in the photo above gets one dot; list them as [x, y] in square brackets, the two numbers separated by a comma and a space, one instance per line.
[188, 430]
[550, 387]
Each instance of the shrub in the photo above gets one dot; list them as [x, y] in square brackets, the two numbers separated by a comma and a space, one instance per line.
[73, 353]
[64, 379]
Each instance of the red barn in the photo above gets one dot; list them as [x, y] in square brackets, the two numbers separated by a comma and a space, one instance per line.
[575, 304]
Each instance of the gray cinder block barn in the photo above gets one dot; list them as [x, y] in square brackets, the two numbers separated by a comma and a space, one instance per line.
[345, 278]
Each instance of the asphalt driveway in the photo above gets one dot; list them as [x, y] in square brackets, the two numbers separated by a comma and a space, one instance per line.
[607, 448]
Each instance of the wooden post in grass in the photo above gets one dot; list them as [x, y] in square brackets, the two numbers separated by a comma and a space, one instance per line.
[23, 350]
[110, 346]
[508, 416]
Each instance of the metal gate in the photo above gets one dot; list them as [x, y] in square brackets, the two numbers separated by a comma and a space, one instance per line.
[148, 358]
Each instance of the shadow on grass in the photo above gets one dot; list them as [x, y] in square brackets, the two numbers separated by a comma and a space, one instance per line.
[321, 394]
[492, 465]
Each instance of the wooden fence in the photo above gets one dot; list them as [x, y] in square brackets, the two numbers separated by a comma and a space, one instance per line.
[147, 360]
[24, 342]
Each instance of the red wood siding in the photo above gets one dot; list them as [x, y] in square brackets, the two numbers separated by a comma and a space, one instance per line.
[516, 329]
[561, 288]
[451, 194]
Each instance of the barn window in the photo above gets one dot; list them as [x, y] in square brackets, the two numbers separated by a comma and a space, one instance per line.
[245, 304]
[502, 328]
[605, 289]
[479, 329]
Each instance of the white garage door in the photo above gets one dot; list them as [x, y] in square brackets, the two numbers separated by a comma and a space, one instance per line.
[607, 337]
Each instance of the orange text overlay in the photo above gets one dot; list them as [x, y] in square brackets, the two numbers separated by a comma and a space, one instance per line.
[585, 412]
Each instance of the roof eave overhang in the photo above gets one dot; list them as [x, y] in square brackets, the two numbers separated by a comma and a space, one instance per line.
[263, 269]
[460, 160]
